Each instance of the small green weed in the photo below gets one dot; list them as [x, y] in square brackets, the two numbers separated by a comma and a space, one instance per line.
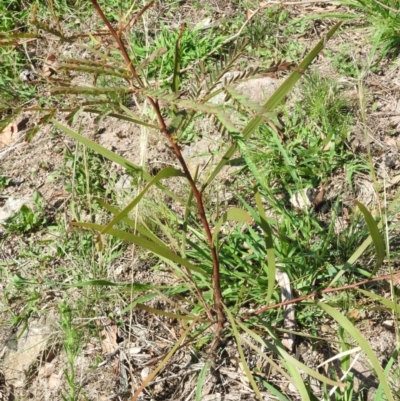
[344, 61]
[194, 46]
[270, 28]
[28, 220]
[382, 19]
[11, 14]
[72, 347]
[4, 181]
[83, 172]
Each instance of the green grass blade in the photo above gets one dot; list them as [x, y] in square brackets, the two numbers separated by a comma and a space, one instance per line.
[392, 306]
[367, 242]
[108, 154]
[170, 354]
[274, 391]
[19, 280]
[102, 151]
[177, 63]
[138, 227]
[167, 172]
[157, 249]
[133, 118]
[13, 36]
[286, 358]
[140, 300]
[271, 267]
[201, 379]
[241, 355]
[295, 377]
[375, 236]
[88, 90]
[270, 361]
[233, 214]
[186, 216]
[248, 130]
[167, 314]
[354, 332]
[329, 15]
[274, 101]
[392, 360]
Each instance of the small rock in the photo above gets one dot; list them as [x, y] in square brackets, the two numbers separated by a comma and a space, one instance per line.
[390, 162]
[28, 76]
[259, 90]
[54, 381]
[47, 370]
[13, 206]
[29, 349]
[303, 199]
[135, 350]
[145, 372]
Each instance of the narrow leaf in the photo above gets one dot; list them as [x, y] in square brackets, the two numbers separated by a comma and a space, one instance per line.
[234, 214]
[167, 314]
[241, 355]
[271, 266]
[177, 61]
[286, 358]
[362, 342]
[153, 56]
[87, 90]
[393, 359]
[133, 224]
[144, 243]
[97, 70]
[13, 36]
[202, 379]
[144, 298]
[390, 305]
[367, 242]
[375, 235]
[165, 173]
[108, 154]
[133, 118]
[154, 373]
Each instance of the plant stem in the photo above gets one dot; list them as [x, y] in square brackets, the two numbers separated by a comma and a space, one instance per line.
[196, 192]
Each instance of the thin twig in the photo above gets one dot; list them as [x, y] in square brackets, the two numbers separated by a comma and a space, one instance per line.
[316, 293]
[237, 34]
[136, 16]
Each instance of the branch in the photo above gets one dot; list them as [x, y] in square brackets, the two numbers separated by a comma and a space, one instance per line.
[315, 294]
[120, 43]
[197, 194]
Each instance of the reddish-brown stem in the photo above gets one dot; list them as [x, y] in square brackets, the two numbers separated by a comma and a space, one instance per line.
[206, 226]
[136, 16]
[314, 294]
[121, 45]
[197, 194]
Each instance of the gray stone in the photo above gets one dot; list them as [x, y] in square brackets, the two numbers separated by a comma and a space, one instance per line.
[13, 206]
[257, 89]
[22, 354]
